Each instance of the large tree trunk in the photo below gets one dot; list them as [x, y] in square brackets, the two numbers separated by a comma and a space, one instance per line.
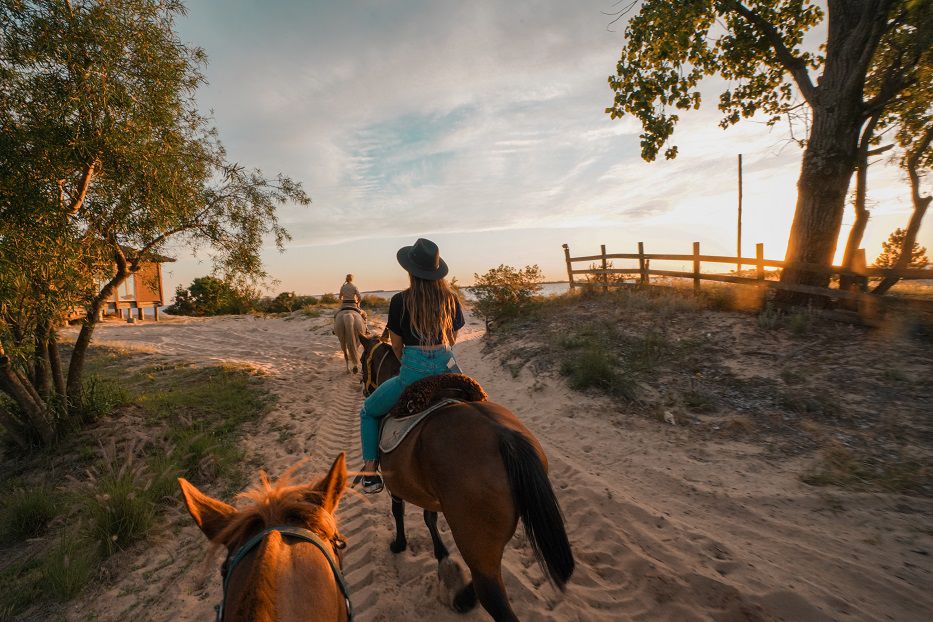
[828, 164]
[854, 31]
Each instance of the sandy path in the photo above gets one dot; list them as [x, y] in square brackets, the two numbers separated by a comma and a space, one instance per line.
[662, 528]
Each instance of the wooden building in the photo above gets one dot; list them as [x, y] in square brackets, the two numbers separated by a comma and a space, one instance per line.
[141, 294]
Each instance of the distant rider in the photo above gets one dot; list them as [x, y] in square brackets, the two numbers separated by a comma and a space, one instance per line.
[350, 297]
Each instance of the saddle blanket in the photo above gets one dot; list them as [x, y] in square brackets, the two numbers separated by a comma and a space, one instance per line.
[394, 429]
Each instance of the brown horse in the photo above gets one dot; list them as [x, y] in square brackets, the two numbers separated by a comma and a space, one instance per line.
[283, 551]
[476, 463]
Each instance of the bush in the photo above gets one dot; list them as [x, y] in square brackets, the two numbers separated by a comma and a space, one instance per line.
[100, 398]
[208, 295]
[373, 302]
[505, 292]
[26, 513]
[329, 299]
[119, 498]
[770, 317]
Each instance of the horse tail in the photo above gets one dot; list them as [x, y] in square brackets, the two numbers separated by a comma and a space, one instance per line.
[537, 506]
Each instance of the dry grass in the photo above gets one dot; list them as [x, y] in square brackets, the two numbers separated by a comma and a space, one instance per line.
[790, 380]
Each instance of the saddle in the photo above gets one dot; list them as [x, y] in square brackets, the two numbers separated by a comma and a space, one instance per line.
[423, 398]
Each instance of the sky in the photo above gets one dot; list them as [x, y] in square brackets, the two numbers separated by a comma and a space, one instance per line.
[480, 125]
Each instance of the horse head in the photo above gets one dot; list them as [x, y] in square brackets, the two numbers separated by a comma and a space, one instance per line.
[275, 544]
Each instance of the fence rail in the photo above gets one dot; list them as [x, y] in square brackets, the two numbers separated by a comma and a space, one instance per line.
[859, 274]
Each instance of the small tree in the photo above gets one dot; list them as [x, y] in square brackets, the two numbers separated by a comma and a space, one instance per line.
[892, 248]
[505, 292]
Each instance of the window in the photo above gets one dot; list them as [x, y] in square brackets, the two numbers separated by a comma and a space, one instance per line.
[127, 290]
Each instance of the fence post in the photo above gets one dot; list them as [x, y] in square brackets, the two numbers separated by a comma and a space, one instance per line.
[759, 261]
[569, 266]
[696, 267]
[643, 270]
[602, 249]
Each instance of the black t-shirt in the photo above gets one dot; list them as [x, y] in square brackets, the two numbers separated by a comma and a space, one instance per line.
[400, 324]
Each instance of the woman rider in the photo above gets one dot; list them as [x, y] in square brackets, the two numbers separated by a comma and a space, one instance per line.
[423, 324]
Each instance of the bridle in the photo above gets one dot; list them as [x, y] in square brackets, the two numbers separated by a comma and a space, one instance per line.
[337, 542]
[371, 381]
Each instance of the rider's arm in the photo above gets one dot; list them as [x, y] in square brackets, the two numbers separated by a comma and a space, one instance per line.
[396, 344]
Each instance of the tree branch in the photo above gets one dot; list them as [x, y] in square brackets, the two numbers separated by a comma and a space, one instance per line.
[795, 65]
[85, 183]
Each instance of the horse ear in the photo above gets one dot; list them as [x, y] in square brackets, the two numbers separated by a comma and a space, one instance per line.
[332, 486]
[210, 514]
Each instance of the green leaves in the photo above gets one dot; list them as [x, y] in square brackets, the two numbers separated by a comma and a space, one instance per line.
[672, 46]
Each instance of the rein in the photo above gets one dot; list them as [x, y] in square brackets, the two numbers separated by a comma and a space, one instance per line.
[226, 570]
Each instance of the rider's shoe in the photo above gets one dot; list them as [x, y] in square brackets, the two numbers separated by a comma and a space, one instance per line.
[372, 484]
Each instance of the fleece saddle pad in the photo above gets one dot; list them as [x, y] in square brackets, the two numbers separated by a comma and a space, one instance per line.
[421, 399]
[395, 429]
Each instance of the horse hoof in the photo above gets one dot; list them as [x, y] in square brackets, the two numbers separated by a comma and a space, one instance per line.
[466, 600]
[397, 547]
[450, 582]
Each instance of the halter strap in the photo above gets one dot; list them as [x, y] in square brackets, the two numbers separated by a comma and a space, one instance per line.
[287, 530]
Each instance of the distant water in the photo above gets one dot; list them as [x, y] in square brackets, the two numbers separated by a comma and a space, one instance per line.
[547, 289]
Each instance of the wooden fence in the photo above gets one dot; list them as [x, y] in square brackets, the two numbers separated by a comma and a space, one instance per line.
[644, 272]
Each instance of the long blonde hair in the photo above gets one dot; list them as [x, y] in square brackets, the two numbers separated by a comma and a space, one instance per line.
[431, 307]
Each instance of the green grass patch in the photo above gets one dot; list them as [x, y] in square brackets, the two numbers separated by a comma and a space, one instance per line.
[26, 513]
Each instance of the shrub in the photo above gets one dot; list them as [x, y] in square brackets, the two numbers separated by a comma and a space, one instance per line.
[770, 317]
[373, 302]
[591, 366]
[329, 299]
[208, 295]
[100, 398]
[26, 513]
[504, 292]
[119, 500]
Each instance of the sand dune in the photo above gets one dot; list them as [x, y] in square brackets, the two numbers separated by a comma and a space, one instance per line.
[663, 527]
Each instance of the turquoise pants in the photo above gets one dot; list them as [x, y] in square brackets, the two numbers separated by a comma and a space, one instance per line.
[416, 364]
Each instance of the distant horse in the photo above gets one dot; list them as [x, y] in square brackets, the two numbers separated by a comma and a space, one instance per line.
[476, 463]
[348, 325]
[283, 551]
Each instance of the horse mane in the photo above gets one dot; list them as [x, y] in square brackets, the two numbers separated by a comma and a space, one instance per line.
[282, 502]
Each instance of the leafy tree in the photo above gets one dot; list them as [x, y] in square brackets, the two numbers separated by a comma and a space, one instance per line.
[505, 292]
[756, 47]
[104, 161]
[892, 248]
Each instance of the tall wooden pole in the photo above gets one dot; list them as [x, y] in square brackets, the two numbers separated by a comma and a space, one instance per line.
[738, 242]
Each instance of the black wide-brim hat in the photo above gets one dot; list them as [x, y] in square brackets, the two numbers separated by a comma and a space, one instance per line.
[423, 260]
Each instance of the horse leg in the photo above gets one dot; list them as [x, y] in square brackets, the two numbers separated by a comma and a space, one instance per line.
[450, 579]
[481, 543]
[398, 511]
[440, 551]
